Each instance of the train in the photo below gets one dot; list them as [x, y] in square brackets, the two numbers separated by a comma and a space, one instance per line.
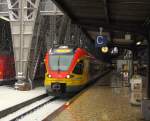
[68, 70]
[7, 64]
[7, 69]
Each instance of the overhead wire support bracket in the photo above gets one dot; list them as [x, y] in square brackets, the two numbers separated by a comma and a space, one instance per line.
[100, 30]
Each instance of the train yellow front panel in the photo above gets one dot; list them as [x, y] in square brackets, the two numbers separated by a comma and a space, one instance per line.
[74, 80]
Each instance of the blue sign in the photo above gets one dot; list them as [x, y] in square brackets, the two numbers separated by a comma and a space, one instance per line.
[101, 41]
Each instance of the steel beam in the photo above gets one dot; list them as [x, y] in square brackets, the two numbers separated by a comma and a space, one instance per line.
[99, 20]
[107, 13]
[112, 27]
[148, 82]
[63, 30]
[62, 6]
[146, 101]
[47, 7]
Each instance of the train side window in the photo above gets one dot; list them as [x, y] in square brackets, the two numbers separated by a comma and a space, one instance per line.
[79, 68]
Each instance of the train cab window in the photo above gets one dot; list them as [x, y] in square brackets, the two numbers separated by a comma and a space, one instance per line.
[60, 62]
[79, 68]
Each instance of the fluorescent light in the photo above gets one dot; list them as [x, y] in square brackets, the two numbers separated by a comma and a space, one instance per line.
[4, 18]
[138, 43]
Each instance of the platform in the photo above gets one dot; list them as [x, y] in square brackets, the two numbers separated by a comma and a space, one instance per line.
[11, 97]
[102, 102]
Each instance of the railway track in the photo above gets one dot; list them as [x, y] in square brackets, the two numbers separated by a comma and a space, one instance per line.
[52, 105]
[20, 114]
[16, 107]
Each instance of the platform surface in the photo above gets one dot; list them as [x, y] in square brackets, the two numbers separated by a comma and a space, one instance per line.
[101, 102]
[10, 97]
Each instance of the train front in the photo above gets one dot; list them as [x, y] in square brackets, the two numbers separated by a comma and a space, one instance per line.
[58, 78]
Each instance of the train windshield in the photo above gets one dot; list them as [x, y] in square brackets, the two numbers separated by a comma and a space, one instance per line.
[60, 62]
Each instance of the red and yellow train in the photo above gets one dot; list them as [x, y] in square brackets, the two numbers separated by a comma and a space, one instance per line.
[69, 70]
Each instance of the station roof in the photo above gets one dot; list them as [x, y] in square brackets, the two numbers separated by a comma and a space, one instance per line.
[121, 15]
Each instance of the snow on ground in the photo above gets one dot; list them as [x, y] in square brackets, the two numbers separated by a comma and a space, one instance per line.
[25, 109]
[10, 97]
[44, 111]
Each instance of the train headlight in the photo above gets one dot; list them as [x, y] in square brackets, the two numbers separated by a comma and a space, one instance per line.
[68, 76]
[49, 76]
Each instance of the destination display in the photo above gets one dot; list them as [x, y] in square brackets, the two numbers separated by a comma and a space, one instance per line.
[62, 51]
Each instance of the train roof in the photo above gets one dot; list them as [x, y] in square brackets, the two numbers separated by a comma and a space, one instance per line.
[70, 50]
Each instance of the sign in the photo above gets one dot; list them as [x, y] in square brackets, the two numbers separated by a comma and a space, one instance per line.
[101, 41]
[63, 51]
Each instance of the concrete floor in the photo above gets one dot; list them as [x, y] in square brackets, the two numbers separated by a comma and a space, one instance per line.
[101, 102]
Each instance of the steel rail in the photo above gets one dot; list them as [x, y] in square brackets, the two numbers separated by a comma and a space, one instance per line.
[33, 109]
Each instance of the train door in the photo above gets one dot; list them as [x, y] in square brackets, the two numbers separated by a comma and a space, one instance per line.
[86, 71]
[7, 68]
[79, 71]
[12, 68]
[1, 69]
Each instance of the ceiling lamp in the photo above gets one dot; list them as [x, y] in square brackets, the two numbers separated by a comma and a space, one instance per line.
[4, 18]
[127, 36]
[114, 50]
[138, 43]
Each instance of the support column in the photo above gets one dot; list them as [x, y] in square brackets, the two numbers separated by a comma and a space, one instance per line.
[146, 101]
[148, 82]
[22, 15]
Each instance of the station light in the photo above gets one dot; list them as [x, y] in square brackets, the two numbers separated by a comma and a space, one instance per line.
[67, 105]
[104, 49]
[127, 36]
[114, 50]
[138, 43]
[63, 47]
[4, 18]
